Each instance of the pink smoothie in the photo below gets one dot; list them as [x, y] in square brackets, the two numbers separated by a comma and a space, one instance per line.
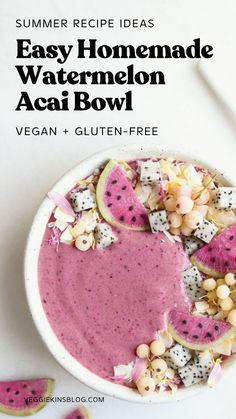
[101, 304]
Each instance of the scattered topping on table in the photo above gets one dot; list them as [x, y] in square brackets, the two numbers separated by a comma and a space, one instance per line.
[24, 397]
[80, 413]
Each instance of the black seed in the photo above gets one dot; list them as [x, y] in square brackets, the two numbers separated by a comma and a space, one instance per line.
[108, 193]
[118, 197]
[213, 259]
[209, 335]
[114, 182]
[216, 327]
[17, 392]
[11, 401]
[122, 218]
[109, 205]
[124, 188]
[227, 263]
[184, 321]
[209, 249]
[231, 238]
[143, 215]
[34, 392]
[8, 389]
[131, 208]
[200, 325]
[185, 332]
[133, 219]
[195, 336]
[24, 385]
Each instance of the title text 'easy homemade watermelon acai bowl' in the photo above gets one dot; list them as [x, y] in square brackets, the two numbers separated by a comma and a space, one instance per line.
[136, 273]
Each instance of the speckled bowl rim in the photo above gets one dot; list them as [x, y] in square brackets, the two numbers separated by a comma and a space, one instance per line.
[66, 183]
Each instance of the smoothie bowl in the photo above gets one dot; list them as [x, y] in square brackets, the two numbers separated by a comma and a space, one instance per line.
[129, 273]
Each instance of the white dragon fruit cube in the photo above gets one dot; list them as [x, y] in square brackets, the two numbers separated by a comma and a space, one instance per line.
[83, 200]
[196, 371]
[150, 172]
[225, 198]
[193, 280]
[192, 244]
[177, 356]
[206, 231]
[104, 236]
[158, 221]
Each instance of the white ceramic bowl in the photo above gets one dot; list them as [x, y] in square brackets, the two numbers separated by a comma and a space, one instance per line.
[65, 184]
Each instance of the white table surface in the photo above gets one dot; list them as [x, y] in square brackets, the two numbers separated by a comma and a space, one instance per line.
[188, 115]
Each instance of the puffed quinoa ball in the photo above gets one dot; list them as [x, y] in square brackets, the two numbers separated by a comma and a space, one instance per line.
[222, 292]
[220, 281]
[170, 203]
[175, 231]
[230, 279]
[226, 304]
[175, 220]
[159, 366]
[146, 385]
[157, 347]
[83, 243]
[184, 205]
[186, 231]
[143, 350]
[209, 284]
[232, 317]
[193, 219]
[183, 190]
[170, 373]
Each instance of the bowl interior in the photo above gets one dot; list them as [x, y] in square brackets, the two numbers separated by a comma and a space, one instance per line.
[35, 237]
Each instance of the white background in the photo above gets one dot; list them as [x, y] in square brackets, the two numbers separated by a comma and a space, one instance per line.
[188, 115]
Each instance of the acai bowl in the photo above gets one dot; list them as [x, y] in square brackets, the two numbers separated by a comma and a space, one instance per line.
[113, 285]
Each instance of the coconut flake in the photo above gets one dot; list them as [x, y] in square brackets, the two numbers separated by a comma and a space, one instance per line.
[201, 306]
[61, 225]
[123, 372]
[172, 386]
[173, 239]
[63, 216]
[165, 337]
[67, 236]
[224, 348]
[215, 375]
[61, 202]
[140, 366]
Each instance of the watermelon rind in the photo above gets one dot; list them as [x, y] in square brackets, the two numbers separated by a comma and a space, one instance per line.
[206, 269]
[106, 214]
[199, 346]
[218, 257]
[33, 410]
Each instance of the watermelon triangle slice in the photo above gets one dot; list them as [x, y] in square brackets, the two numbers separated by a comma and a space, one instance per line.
[117, 200]
[218, 257]
[197, 332]
[24, 397]
[80, 413]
